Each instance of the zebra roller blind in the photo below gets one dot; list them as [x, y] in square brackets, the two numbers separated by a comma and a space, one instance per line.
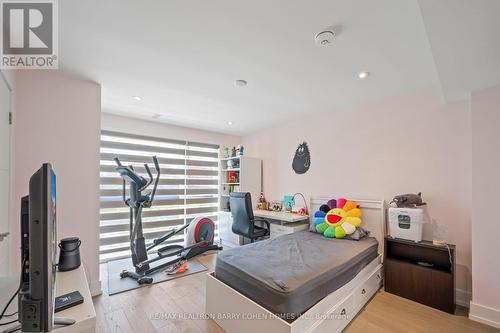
[188, 187]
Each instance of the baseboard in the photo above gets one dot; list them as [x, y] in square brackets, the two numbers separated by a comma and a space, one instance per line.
[462, 297]
[95, 288]
[484, 314]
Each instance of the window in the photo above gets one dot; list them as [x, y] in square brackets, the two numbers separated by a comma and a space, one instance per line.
[188, 188]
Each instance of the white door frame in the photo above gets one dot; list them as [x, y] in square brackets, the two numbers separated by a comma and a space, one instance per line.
[5, 179]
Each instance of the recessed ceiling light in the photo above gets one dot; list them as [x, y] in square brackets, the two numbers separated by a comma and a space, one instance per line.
[363, 75]
[137, 98]
[230, 123]
[156, 116]
[240, 83]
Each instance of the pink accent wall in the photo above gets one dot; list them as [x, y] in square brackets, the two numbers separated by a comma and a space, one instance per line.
[404, 144]
[161, 130]
[485, 195]
[57, 120]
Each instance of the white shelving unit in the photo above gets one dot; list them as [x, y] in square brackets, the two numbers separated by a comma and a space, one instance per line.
[247, 171]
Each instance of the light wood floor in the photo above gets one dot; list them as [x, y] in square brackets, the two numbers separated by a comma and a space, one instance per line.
[134, 311]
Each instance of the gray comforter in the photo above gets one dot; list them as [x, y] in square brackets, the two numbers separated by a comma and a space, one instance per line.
[289, 274]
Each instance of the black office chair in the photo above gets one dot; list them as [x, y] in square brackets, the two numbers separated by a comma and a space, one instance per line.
[243, 219]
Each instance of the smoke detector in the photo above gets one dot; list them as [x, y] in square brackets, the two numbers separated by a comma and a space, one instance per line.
[325, 38]
[240, 83]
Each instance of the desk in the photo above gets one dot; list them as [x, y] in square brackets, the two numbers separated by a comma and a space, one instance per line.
[282, 223]
[66, 282]
[282, 217]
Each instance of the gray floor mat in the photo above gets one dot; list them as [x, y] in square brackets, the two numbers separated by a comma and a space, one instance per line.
[118, 285]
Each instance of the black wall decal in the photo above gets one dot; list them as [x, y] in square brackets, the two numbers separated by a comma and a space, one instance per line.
[302, 159]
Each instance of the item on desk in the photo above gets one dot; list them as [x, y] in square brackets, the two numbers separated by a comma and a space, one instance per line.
[262, 198]
[299, 210]
[262, 204]
[408, 200]
[288, 202]
[68, 300]
[407, 223]
[69, 254]
[276, 206]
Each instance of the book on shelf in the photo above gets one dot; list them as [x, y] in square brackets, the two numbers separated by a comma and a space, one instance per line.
[232, 188]
[233, 177]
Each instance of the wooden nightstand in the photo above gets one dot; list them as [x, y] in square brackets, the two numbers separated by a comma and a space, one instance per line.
[421, 272]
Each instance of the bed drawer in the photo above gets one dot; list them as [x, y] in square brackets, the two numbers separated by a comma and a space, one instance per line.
[363, 293]
[337, 318]
[344, 311]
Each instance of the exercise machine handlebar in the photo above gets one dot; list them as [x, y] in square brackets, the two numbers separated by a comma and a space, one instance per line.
[157, 180]
[117, 160]
[132, 176]
[150, 180]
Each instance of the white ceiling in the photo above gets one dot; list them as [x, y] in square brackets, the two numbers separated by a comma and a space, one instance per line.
[182, 57]
[465, 40]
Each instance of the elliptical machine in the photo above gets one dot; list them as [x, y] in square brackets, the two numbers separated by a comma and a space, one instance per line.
[199, 237]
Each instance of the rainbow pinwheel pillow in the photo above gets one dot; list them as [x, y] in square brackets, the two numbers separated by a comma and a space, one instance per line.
[342, 218]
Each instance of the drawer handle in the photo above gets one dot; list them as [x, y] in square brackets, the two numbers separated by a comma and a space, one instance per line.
[342, 312]
[378, 276]
[363, 291]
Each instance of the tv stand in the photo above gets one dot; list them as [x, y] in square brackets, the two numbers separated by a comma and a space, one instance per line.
[58, 321]
[80, 318]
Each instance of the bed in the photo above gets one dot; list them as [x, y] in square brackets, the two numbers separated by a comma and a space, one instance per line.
[289, 274]
[302, 282]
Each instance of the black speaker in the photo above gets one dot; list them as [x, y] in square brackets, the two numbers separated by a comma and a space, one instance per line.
[69, 254]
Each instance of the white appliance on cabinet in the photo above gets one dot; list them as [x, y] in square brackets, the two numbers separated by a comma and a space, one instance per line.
[407, 223]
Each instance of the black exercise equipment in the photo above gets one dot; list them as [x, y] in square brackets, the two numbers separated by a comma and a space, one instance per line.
[199, 236]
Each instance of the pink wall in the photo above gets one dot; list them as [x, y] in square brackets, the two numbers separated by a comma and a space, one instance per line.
[136, 126]
[485, 192]
[399, 145]
[57, 120]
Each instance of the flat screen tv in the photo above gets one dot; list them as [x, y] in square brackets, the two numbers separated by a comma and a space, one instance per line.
[37, 295]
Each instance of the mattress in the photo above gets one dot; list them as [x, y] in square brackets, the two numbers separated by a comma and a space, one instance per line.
[289, 274]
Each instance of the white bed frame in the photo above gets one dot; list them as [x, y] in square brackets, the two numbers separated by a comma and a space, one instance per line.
[235, 312]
